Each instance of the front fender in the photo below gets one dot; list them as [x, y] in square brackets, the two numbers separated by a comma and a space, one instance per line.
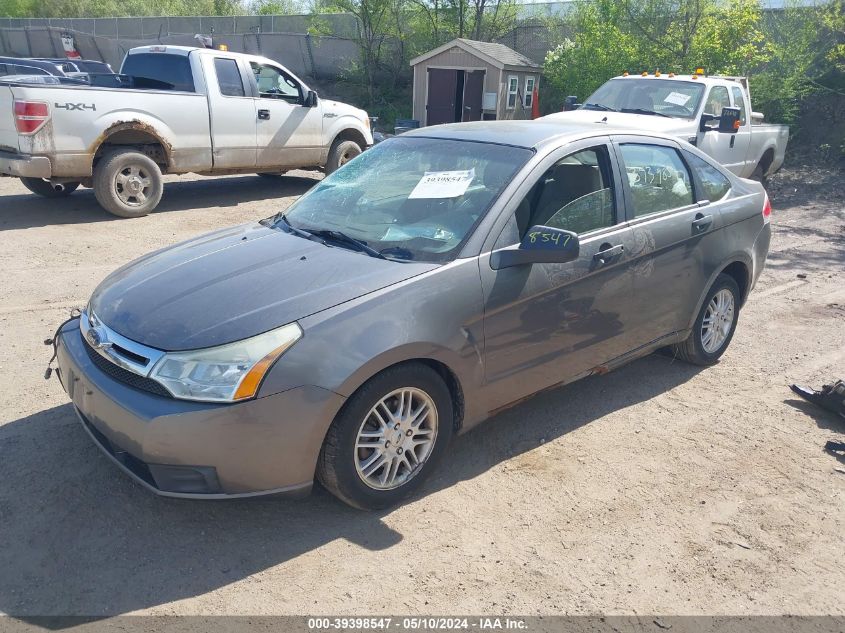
[333, 127]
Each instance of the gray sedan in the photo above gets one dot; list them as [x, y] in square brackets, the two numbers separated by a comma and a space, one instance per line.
[434, 280]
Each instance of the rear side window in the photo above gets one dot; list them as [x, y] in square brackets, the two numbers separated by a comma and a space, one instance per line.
[657, 178]
[229, 77]
[160, 71]
[715, 183]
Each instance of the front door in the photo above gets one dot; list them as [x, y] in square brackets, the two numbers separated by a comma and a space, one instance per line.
[549, 323]
[742, 141]
[289, 134]
[719, 145]
[473, 92]
[442, 90]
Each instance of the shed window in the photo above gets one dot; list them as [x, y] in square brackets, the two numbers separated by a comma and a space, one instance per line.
[530, 83]
[513, 91]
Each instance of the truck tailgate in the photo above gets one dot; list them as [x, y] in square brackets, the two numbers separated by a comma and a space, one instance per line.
[8, 131]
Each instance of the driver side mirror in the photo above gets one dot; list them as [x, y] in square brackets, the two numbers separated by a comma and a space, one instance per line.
[310, 99]
[541, 245]
[728, 121]
[571, 103]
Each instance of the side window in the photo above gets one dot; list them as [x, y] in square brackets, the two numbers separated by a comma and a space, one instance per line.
[714, 182]
[739, 102]
[229, 77]
[530, 82]
[513, 90]
[575, 194]
[273, 83]
[717, 100]
[657, 177]
[3, 70]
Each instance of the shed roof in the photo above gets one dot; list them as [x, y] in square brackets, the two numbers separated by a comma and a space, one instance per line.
[498, 55]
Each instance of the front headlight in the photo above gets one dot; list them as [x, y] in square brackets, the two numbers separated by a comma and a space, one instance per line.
[227, 373]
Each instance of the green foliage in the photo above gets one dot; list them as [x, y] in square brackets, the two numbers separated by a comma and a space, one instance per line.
[612, 36]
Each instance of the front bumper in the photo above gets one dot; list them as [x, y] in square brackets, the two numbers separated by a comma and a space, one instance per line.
[178, 448]
[25, 166]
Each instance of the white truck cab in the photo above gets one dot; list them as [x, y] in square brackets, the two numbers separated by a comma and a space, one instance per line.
[688, 106]
[187, 110]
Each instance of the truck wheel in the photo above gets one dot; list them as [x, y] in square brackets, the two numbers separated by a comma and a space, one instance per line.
[127, 183]
[47, 189]
[341, 153]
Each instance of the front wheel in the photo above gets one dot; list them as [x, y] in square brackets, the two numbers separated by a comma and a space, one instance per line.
[387, 438]
[128, 183]
[715, 325]
[47, 189]
[341, 153]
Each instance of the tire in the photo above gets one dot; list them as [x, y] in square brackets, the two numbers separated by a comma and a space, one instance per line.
[697, 348]
[128, 183]
[341, 153]
[345, 470]
[47, 189]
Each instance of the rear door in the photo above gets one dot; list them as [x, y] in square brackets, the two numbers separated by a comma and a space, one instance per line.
[549, 323]
[233, 113]
[675, 226]
[288, 133]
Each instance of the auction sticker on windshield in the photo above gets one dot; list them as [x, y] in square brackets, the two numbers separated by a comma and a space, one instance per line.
[677, 98]
[443, 184]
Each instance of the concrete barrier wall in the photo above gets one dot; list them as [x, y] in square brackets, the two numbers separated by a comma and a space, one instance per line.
[337, 24]
[318, 57]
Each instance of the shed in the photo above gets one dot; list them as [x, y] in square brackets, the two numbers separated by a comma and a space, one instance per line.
[466, 80]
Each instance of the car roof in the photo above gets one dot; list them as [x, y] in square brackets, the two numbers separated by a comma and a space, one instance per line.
[527, 134]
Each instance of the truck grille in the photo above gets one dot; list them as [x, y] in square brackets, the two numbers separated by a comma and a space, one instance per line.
[124, 375]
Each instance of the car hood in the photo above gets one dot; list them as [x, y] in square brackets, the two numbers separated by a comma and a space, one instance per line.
[664, 125]
[234, 284]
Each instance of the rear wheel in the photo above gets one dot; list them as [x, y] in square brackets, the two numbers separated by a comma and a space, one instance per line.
[715, 326]
[45, 188]
[128, 183]
[341, 153]
[388, 437]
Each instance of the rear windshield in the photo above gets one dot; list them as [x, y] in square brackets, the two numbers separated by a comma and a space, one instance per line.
[160, 71]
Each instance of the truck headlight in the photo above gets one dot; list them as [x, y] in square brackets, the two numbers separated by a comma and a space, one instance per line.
[227, 373]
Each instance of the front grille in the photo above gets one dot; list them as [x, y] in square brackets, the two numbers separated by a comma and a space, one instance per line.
[124, 375]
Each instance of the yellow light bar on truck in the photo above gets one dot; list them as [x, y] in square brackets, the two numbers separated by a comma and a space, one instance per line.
[222, 47]
[700, 71]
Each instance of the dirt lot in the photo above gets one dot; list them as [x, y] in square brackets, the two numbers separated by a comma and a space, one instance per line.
[659, 488]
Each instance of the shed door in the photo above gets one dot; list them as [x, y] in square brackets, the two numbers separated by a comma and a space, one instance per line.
[442, 87]
[473, 89]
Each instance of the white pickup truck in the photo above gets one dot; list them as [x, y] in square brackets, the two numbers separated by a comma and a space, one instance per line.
[188, 109]
[687, 106]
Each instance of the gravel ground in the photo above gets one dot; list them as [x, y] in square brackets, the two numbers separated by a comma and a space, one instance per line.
[659, 488]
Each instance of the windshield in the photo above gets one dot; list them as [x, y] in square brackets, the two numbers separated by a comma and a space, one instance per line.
[671, 98]
[409, 198]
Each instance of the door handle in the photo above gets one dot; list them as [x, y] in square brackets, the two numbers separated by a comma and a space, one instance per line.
[733, 138]
[264, 114]
[607, 253]
[701, 221]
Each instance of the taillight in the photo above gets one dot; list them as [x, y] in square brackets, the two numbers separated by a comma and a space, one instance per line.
[30, 116]
[767, 208]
